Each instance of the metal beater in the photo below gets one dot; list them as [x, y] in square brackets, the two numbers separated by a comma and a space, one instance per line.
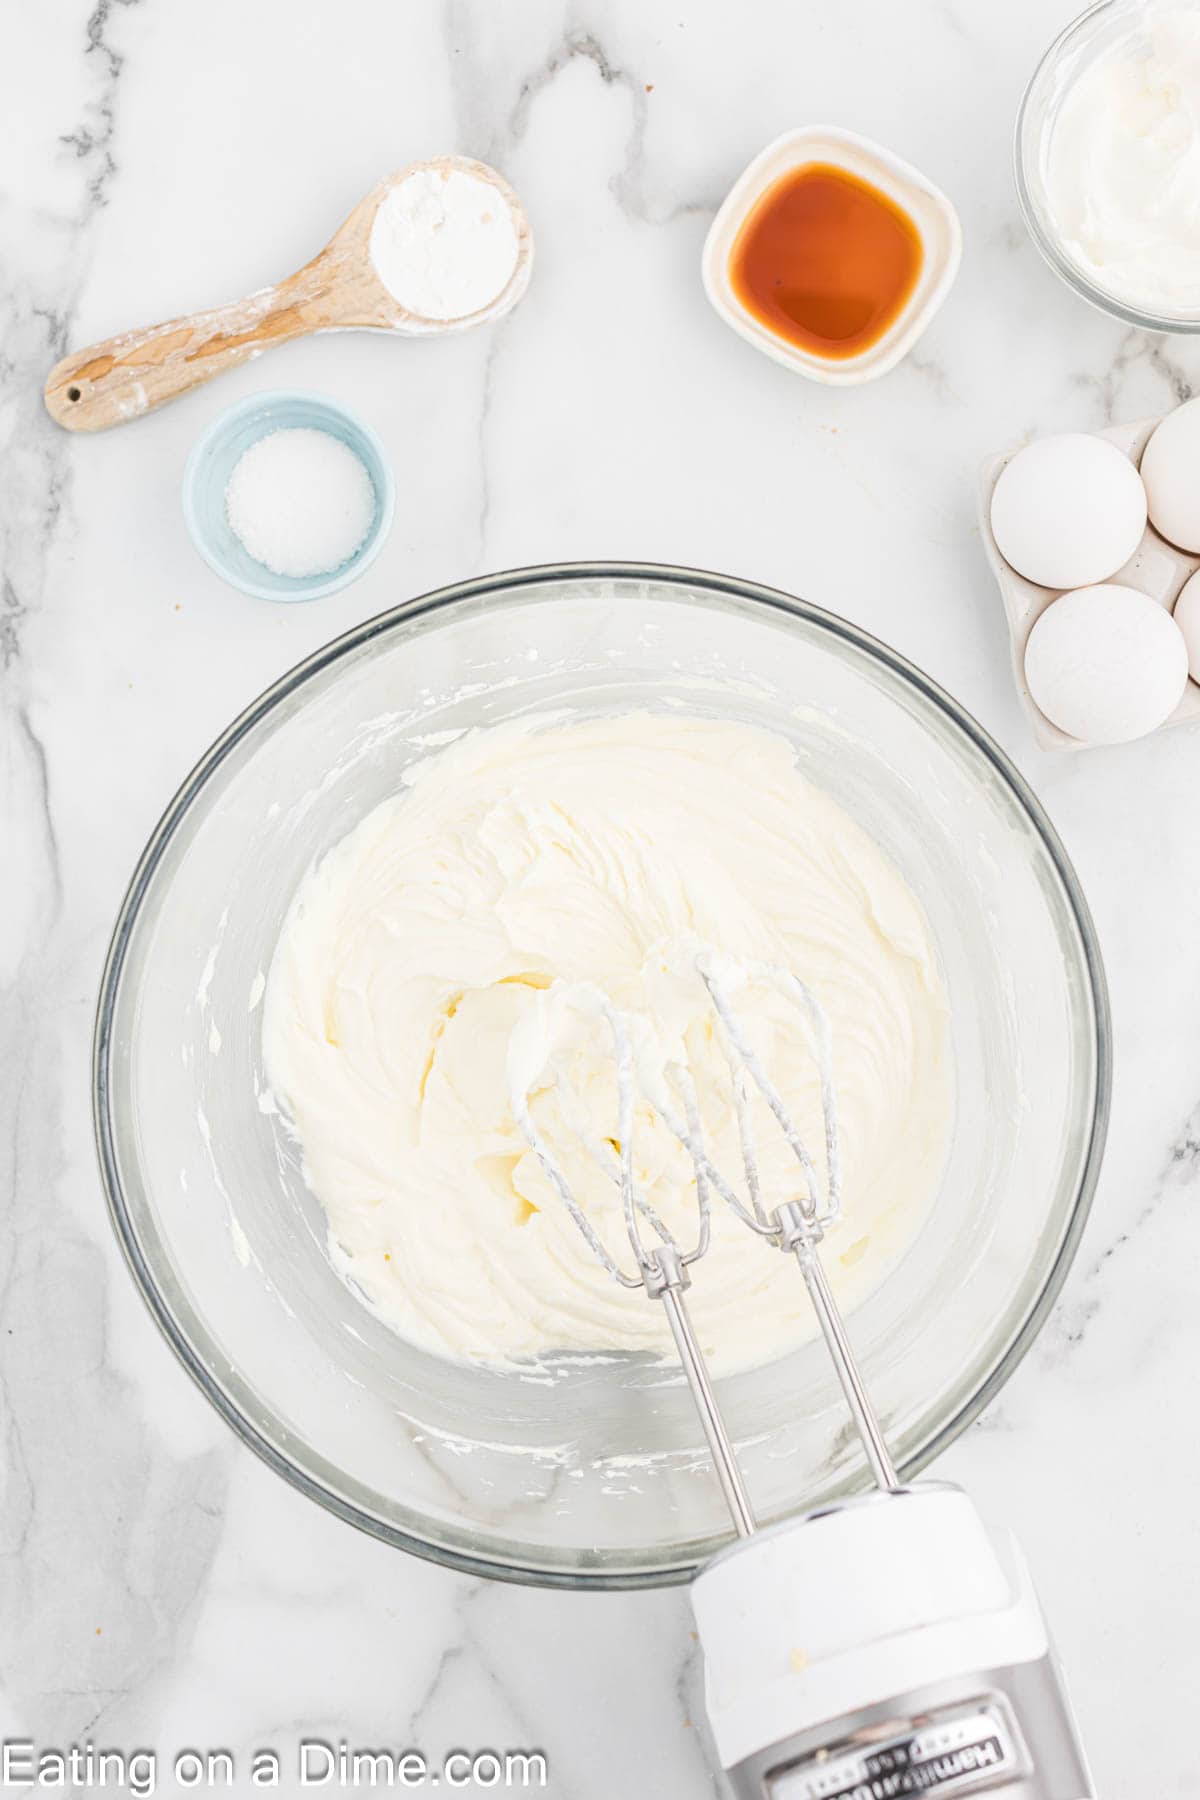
[663, 1267]
[795, 1226]
[925, 1665]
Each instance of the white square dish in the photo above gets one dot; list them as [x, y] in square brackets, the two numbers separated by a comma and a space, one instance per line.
[933, 217]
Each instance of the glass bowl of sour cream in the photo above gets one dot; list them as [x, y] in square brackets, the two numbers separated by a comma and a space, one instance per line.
[1107, 158]
[587, 1468]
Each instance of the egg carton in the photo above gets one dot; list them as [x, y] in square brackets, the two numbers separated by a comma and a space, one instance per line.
[1156, 568]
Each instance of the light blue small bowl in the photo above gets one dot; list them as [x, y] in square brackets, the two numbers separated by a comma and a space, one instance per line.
[212, 462]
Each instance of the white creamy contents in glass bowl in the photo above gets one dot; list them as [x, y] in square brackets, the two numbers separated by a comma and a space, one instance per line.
[542, 850]
[1122, 170]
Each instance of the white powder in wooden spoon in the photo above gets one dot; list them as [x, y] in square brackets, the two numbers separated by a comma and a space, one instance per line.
[300, 501]
[444, 243]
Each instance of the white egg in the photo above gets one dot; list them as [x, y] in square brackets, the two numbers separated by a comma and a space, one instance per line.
[1068, 510]
[1106, 664]
[1171, 476]
[1187, 617]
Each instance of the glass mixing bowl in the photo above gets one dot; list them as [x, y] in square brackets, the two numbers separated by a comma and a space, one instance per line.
[595, 1476]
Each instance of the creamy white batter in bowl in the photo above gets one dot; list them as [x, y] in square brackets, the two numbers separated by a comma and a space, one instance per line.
[586, 1468]
[524, 858]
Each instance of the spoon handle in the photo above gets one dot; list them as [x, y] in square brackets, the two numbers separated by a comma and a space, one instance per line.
[133, 373]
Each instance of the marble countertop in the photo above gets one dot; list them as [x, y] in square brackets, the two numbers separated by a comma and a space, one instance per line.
[159, 1585]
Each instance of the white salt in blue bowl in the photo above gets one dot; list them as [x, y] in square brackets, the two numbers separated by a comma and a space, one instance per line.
[217, 453]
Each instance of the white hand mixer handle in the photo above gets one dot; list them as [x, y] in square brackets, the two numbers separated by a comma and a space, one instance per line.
[886, 1645]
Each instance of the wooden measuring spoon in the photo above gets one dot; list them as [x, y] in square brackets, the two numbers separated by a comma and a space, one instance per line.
[339, 289]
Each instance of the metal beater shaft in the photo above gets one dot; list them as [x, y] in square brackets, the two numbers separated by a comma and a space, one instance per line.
[719, 1442]
[833, 1330]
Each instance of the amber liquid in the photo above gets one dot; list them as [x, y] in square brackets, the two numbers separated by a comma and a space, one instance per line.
[826, 261]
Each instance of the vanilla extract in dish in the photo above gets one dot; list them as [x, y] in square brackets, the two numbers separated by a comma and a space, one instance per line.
[826, 261]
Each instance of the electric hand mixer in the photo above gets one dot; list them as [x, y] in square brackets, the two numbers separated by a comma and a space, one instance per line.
[881, 1646]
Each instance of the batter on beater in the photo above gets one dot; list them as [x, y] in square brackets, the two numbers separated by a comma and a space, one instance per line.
[545, 851]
